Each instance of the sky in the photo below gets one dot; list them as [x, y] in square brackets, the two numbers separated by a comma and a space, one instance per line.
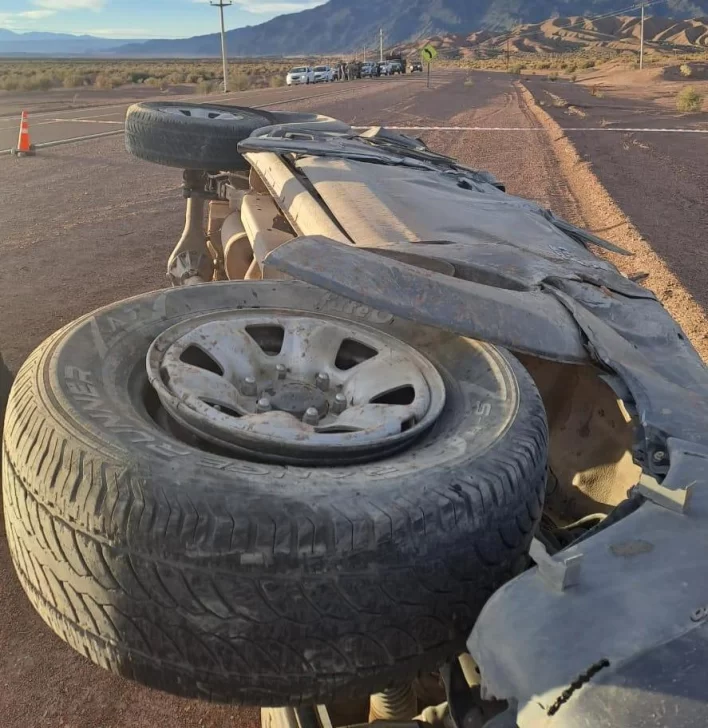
[139, 18]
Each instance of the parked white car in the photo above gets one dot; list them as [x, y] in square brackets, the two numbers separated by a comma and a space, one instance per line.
[301, 74]
[323, 74]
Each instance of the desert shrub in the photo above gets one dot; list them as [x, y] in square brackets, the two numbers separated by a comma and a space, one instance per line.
[239, 82]
[516, 69]
[685, 70]
[544, 66]
[276, 81]
[689, 100]
[572, 68]
[193, 78]
[553, 76]
[72, 80]
[587, 63]
[573, 78]
[596, 92]
[110, 80]
[206, 87]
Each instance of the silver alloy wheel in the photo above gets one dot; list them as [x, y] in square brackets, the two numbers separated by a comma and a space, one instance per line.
[202, 112]
[291, 387]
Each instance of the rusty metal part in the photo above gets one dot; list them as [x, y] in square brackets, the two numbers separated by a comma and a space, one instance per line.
[265, 227]
[238, 254]
[213, 375]
[304, 213]
[190, 261]
[397, 703]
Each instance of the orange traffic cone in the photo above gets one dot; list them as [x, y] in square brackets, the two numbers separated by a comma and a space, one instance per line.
[24, 146]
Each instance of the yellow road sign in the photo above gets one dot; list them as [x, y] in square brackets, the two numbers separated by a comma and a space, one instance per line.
[429, 53]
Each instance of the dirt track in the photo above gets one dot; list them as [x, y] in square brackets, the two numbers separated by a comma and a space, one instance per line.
[84, 225]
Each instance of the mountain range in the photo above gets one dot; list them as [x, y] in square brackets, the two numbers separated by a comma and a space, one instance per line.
[62, 44]
[341, 26]
[571, 34]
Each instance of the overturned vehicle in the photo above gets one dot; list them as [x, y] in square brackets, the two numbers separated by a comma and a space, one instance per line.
[395, 446]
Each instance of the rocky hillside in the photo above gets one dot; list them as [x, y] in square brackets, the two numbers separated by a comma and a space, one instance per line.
[341, 26]
[575, 33]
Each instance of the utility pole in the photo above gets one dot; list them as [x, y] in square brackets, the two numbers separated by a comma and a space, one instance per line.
[508, 51]
[641, 42]
[381, 45]
[364, 56]
[221, 5]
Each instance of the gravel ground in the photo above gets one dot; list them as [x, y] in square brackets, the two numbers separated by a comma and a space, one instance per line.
[658, 182]
[84, 225]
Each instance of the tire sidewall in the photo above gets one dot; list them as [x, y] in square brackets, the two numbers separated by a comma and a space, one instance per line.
[95, 374]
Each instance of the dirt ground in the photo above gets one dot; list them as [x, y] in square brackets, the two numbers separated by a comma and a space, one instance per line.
[659, 181]
[85, 224]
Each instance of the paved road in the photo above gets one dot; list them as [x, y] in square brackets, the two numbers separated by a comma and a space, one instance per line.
[85, 224]
[56, 126]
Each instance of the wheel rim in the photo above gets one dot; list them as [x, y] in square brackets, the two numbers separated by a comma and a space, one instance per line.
[202, 112]
[289, 387]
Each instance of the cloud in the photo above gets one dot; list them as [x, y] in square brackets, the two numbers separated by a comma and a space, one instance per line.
[122, 33]
[36, 14]
[256, 7]
[58, 5]
[278, 7]
[24, 19]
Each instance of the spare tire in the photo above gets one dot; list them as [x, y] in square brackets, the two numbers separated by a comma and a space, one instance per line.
[5, 383]
[171, 560]
[191, 136]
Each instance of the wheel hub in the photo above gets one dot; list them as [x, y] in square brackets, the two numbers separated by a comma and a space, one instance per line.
[296, 398]
[292, 387]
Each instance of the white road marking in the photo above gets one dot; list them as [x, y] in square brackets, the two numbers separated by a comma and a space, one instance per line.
[538, 128]
[78, 121]
[59, 142]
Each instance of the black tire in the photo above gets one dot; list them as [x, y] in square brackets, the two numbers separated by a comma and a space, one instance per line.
[5, 384]
[155, 134]
[247, 582]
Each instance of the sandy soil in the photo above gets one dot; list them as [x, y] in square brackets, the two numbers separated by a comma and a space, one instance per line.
[644, 191]
[86, 224]
[58, 99]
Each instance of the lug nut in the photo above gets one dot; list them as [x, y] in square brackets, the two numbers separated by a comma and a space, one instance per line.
[263, 405]
[322, 381]
[249, 387]
[339, 404]
[281, 370]
[312, 416]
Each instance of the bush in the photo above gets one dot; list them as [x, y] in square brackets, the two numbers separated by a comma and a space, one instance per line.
[573, 78]
[73, 80]
[596, 92]
[588, 63]
[686, 71]
[544, 66]
[689, 100]
[516, 69]
[553, 76]
[206, 87]
[276, 81]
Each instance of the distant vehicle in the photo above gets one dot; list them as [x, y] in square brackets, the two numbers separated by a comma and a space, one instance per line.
[398, 64]
[323, 74]
[300, 75]
[369, 70]
[416, 66]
